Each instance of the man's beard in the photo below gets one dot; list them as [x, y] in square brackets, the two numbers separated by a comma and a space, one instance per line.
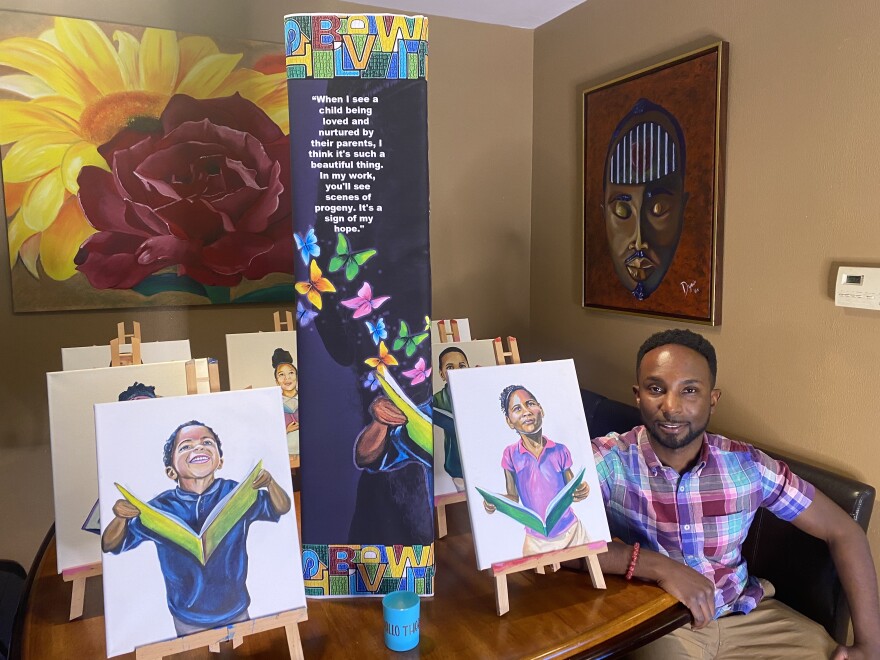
[673, 443]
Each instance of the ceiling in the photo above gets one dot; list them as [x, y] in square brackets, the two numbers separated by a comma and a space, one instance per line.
[514, 13]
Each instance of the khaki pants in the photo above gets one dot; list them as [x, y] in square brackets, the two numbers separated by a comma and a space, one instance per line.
[772, 630]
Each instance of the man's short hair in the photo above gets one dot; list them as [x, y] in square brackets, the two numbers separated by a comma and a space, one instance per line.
[507, 392]
[451, 349]
[686, 338]
[169, 443]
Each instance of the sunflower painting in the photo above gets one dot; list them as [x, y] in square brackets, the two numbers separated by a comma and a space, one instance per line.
[142, 167]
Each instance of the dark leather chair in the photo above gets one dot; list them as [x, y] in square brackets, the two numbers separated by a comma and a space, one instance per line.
[12, 578]
[798, 565]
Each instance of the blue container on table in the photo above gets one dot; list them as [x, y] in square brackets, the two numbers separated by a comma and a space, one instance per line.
[401, 610]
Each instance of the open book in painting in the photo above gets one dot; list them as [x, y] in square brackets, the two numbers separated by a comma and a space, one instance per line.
[541, 523]
[218, 524]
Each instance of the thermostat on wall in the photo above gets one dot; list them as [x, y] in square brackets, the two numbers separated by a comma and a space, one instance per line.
[857, 286]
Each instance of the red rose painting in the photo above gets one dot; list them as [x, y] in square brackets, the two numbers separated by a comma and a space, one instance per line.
[141, 166]
[203, 192]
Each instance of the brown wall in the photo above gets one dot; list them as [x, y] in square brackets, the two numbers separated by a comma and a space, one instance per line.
[798, 373]
[480, 122]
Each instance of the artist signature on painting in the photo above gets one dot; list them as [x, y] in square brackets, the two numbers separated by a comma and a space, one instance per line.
[688, 288]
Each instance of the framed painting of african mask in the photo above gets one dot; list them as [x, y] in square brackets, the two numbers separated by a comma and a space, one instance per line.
[653, 186]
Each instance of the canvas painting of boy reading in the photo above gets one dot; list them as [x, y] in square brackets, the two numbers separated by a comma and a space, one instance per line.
[200, 529]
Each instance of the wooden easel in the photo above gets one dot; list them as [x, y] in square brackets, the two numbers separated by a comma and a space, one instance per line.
[234, 633]
[501, 355]
[281, 326]
[119, 358]
[194, 384]
[78, 576]
[199, 383]
[588, 552]
[441, 501]
[448, 330]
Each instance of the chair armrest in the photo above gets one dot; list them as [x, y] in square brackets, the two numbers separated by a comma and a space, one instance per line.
[800, 566]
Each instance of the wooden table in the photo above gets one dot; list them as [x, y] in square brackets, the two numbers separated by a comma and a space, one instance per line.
[557, 615]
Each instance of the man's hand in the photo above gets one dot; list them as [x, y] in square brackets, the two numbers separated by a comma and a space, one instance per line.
[385, 412]
[262, 480]
[125, 509]
[581, 492]
[691, 588]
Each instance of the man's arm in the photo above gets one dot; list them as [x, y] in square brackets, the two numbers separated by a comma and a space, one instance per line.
[689, 587]
[852, 559]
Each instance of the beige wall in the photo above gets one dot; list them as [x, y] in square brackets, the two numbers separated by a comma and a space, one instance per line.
[797, 373]
[480, 122]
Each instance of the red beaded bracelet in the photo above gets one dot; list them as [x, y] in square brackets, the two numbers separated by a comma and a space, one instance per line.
[633, 561]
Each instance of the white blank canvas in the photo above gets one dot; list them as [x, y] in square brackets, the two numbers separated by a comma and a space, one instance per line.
[92, 357]
[72, 396]
[250, 427]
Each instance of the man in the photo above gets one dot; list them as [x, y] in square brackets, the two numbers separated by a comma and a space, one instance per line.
[450, 359]
[200, 597]
[688, 497]
[644, 196]
[535, 470]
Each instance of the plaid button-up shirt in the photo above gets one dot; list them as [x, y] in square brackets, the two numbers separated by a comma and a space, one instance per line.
[700, 518]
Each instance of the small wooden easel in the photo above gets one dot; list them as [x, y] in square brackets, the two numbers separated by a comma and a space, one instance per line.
[448, 330]
[281, 326]
[118, 358]
[501, 355]
[78, 576]
[440, 501]
[588, 552]
[232, 633]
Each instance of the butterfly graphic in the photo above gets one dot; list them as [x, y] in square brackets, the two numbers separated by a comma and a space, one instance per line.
[371, 382]
[316, 285]
[304, 315]
[307, 245]
[377, 331]
[418, 374]
[364, 302]
[383, 360]
[347, 258]
[408, 341]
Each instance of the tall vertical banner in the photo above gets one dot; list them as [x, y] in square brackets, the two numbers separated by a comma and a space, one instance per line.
[357, 89]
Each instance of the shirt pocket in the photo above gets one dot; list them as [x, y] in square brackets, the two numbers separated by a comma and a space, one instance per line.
[723, 536]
